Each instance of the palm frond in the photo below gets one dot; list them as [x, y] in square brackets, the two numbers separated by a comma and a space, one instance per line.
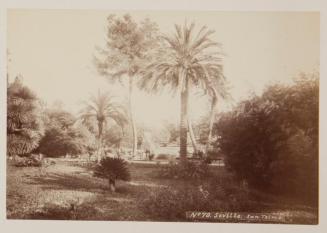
[198, 60]
[102, 107]
[188, 33]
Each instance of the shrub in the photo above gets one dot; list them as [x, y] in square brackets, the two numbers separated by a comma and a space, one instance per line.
[151, 156]
[271, 141]
[172, 203]
[63, 137]
[186, 171]
[162, 157]
[112, 169]
[27, 162]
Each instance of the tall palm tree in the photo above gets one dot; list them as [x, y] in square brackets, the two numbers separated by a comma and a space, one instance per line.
[101, 108]
[186, 59]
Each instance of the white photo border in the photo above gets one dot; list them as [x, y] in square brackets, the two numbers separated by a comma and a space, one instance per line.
[25, 226]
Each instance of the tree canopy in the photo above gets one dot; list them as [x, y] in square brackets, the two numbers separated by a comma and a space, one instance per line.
[128, 47]
[64, 135]
[24, 122]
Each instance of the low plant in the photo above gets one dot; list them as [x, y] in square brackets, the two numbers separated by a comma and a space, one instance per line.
[112, 169]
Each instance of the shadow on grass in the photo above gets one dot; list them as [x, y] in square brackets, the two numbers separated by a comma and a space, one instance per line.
[84, 183]
[68, 182]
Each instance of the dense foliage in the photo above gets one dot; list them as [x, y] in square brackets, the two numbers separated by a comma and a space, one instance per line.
[185, 171]
[30, 161]
[64, 136]
[271, 141]
[24, 123]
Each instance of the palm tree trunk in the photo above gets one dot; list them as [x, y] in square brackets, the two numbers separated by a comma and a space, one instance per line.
[98, 157]
[192, 137]
[190, 129]
[121, 139]
[99, 153]
[131, 84]
[211, 121]
[183, 124]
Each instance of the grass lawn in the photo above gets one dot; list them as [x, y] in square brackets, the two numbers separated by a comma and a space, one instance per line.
[79, 195]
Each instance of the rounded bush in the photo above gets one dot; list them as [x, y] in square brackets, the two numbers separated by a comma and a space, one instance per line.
[271, 141]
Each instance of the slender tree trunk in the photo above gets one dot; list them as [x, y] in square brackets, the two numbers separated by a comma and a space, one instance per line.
[120, 140]
[122, 131]
[131, 84]
[183, 123]
[99, 153]
[211, 121]
[112, 185]
[190, 128]
[99, 156]
[192, 137]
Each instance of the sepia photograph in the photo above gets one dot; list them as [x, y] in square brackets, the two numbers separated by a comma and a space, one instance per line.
[163, 116]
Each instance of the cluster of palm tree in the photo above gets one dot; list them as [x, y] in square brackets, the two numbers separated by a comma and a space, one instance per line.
[181, 62]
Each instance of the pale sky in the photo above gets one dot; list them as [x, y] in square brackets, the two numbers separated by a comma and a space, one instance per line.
[53, 50]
